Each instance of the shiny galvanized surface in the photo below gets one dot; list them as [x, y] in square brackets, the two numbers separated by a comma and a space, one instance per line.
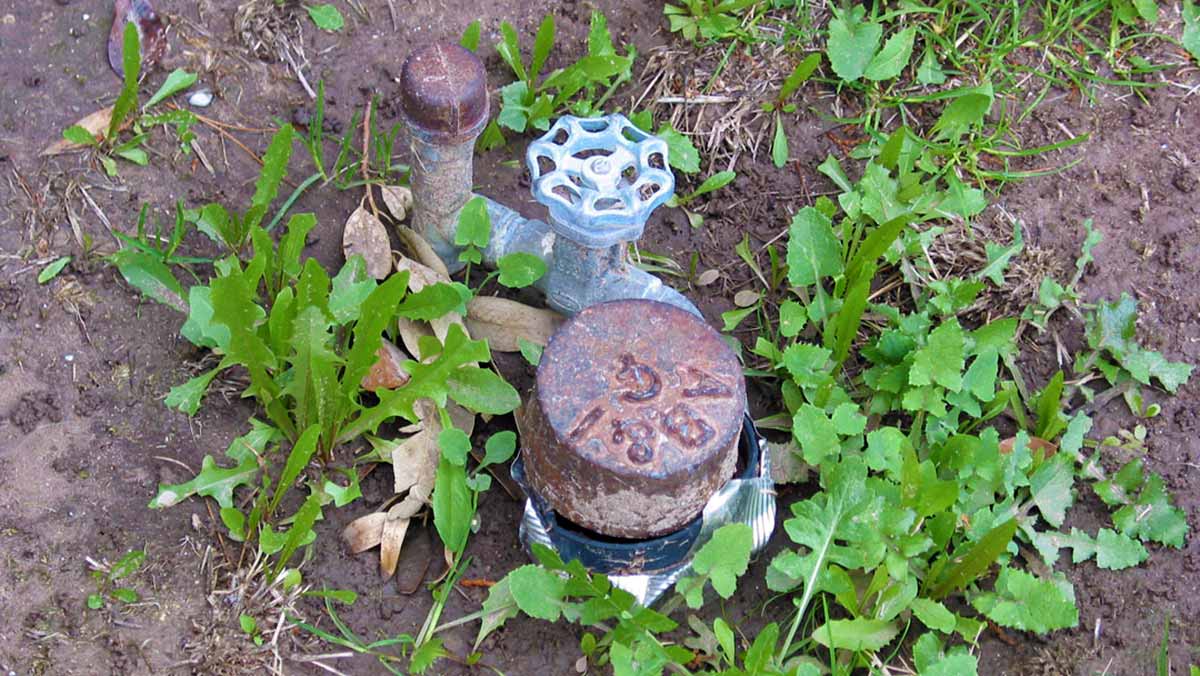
[635, 420]
[748, 500]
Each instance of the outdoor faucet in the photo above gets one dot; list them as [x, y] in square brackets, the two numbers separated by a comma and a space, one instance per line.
[636, 428]
[599, 178]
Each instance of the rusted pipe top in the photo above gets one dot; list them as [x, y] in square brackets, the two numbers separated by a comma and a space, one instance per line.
[443, 92]
[636, 418]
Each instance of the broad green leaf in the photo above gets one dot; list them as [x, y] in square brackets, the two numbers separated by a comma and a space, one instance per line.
[890, 61]
[1022, 601]
[1191, 36]
[681, 154]
[1052, 488]
[941, 360]
[930, 71]
[1112, 325]
[125, 595]
[326, 16]
[498, 607]
[1145, 364]
[128, 564]
[538, 592]
[135, 155]
[350, 288]
[816, 434]
[51, 271]
[177, 81]
[455, 445]
[474, 224]
[792, 318]
[148, 274]
[856, 635]
[779, 145]
[724, 558]
[453, 507]
[470, 36]
[199, 328]
[964, 112]
[813, 251]
[852, 42]
[520, 269]
[482, 391]
[499, 448]
[806, 363]
[933, 614]
[432, 302]
[1151, 516]
[212, 481]
[1115, 551]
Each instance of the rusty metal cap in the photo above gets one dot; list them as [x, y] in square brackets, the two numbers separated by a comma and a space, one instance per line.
[635, 420]
[443, 91]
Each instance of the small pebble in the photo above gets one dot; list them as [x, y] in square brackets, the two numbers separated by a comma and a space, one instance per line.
[201, 98]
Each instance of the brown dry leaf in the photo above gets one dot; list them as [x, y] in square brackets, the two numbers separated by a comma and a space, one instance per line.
[708, 277]
[419, 247]
[96, 124]
[387, 372]
[398, 199]
[1035, 444]
[389, 547]
[787, 465]
[365, 235]
[461, 417]
[364, 532]
[746, 298]
[503, 322]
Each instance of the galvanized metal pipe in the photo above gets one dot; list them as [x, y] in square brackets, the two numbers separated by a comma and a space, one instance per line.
[443, 91]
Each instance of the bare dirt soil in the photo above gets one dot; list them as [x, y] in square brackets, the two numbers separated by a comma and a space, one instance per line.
[85, 363]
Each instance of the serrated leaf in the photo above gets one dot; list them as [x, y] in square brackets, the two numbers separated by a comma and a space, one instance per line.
[1152, 517]
[1022, 601]
[999, 256]
[852, 42]
[933, 614]
[964, 112]
[482, 391]
[498, 608]
[856, 635]
[1116, 551]
[941, 360]
[538, 592]
[274, 168]
[890, 61]
[212, 481]
[813, 251]
[326, 16]
[186, 398]
[681, 153]
[724, 558]
[816, 434]
[1052, 488]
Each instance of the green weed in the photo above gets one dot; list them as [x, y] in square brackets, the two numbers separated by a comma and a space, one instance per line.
[109, 589]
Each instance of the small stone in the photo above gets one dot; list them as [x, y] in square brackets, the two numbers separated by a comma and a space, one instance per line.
[1185, 181]
[201, 98]
[386, 373]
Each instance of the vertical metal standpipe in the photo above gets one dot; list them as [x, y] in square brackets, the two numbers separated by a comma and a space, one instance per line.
[443, 96]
